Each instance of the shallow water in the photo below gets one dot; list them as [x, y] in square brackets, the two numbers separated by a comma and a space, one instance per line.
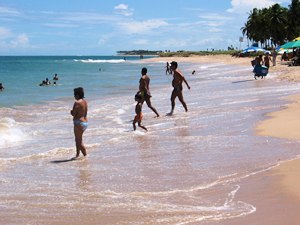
[185, 170]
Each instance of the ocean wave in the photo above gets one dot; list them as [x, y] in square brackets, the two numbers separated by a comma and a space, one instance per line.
[59, 151]
[100, 60]
[11, 132]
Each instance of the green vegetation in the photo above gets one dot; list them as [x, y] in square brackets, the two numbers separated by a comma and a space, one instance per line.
[177, 53]
[139, 52]
[199, 53]
[274, 25]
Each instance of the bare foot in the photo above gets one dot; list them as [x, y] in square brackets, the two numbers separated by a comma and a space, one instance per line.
[169, 114]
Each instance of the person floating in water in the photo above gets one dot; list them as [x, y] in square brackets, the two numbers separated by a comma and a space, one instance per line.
[1, 87]
[178, 78]
[138, 110]
[43, 83]
[145, 91]
[48, 82]
[55, 77]
[80, 121]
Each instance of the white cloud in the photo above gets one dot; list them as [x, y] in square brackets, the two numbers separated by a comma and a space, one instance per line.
[136, 27]
[123, 9]
[21, 40]
[243, 6]
[141, 42]
[10, 42]
[8, 11]
[89, 18]
[104, 39]
[173, 43]
[214, 30]
[215, 17]
[60, 25]
[4, 33]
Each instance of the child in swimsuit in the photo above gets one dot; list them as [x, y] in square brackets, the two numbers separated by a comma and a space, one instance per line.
[138, 110]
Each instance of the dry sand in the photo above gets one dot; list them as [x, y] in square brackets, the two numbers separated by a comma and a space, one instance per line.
[276, 193]
[291, 73]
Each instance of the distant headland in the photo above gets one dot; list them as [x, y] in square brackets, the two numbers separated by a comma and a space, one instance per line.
[181, 53]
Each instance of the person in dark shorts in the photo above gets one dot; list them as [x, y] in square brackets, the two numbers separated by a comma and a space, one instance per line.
[178, 78]
[145, 91]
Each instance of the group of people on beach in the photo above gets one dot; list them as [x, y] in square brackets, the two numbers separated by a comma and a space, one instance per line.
[293, 57]
[47, 82]
[262, 64]
[144, 93]
[80, 107]
[263, 61]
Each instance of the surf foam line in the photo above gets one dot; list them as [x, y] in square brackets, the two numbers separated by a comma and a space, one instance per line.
[176, 213]
[11, 132]
[43, 155]
[100, 60]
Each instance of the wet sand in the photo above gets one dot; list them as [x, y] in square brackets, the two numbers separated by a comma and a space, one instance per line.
[275, 193]
[92, 191]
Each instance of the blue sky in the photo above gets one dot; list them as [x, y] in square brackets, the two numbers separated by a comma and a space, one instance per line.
[95, 27]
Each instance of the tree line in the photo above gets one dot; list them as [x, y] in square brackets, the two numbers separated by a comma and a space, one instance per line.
[273, 26]
[139, 52]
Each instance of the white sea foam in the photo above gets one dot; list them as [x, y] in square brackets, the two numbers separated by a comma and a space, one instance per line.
[11, 132]
[100, 60]
[121, 111]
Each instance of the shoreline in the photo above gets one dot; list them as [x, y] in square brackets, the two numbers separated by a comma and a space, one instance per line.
[284, 72]
[274, 193]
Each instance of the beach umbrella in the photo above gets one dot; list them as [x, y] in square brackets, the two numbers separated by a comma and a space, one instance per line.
[278, 48]
[296, 44]
[253, 49]
[287, 45]
[281, 51]
[297, 39]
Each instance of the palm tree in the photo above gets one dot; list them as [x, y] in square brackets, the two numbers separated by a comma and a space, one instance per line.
[253, 25]
[293, 21]
[274, 24]
[245, 31]
[278, 23]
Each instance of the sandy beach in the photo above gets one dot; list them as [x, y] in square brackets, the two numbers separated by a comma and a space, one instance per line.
[290, 73]
[275, 193]
[217, 164]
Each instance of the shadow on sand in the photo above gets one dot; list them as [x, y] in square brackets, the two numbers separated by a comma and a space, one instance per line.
[66, 160]
[241, 81]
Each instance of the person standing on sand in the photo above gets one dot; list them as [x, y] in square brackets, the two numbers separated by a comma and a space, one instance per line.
[267, 60]
[178, 78]
[274, 55]
[145, 91]
[79, 113]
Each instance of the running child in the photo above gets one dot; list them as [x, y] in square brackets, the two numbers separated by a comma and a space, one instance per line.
[138, 110]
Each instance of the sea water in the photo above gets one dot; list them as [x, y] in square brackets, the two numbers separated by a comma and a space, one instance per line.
[185, 170]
